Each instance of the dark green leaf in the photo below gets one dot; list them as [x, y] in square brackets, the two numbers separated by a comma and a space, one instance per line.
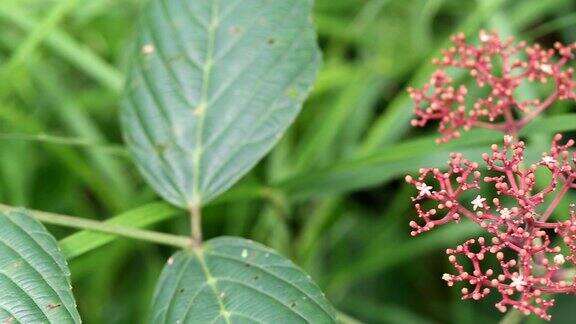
[213, 86]
[232, 280]
[34, 277]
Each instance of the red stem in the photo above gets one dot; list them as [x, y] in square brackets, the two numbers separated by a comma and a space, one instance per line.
[468, 213]
[557, 199]
[543, 106]
[498, 127]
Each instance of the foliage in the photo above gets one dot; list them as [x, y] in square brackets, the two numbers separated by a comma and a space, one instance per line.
[328, 195]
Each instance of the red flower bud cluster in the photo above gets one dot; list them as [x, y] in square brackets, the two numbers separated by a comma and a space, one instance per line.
[502, 67]
[518, 227]
[526, 257]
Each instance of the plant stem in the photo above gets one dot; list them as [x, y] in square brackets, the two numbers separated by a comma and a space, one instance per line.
[557, 199]
[96, 226]
[70, 141]
[498, 127]
[196, 224]
[511, 128]
[536, 112]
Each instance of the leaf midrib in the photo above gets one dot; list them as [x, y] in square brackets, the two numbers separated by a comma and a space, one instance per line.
[254, 92]
[203, 104]
[273, 275]
[210, 277]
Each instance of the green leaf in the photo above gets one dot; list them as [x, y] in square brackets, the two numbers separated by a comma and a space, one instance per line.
[34, 277]
[67, 47]
[213, 86]
[233, 280]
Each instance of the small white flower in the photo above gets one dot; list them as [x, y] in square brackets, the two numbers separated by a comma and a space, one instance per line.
[518, 283]
[484, 37]
[559, 259]
[505, 213]
[424, 189]
[446, 277]
[478, 202]
[546, 68]
[548, 160]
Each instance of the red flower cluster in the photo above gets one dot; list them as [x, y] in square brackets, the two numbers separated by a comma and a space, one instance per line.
[519, 228]
[502, 67]
[531, 254]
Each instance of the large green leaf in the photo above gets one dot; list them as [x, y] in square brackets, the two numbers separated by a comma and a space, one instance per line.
[213, 85]
[34, 277]
[233, 280]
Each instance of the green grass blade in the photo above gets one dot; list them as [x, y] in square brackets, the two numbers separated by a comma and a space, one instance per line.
[67, 47]
[82, 242]
[37, 36]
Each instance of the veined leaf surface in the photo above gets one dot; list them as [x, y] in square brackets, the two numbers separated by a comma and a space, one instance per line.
[34, 277]
[212, 87]
[233, 280]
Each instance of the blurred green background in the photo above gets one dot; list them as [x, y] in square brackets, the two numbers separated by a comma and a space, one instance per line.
[330, 196]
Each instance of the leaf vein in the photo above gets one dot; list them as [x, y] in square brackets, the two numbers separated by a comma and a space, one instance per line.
[261, 268]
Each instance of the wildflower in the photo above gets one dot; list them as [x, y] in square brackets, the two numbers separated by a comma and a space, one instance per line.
[548, 160]
[424, 189]
[518, 282]
[444, 101]
[478, 202]
[559, 259]
[529, 263]
[505, 213]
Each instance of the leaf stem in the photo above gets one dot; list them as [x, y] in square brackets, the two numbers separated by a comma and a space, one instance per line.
[97, 226]
[196, 224]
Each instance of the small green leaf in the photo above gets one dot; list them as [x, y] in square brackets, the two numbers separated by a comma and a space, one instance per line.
[34, 277]
[213, 86]
[233, 280]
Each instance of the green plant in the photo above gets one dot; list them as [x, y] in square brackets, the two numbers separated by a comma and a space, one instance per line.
[212, 87]
[329, 196]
